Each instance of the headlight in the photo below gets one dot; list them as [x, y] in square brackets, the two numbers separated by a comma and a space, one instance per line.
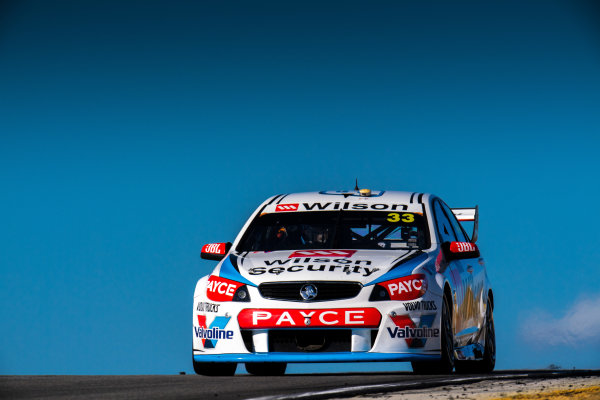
[406, 288]
[241, 294]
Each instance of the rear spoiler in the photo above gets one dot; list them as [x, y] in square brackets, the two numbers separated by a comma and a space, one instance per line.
[468, 214]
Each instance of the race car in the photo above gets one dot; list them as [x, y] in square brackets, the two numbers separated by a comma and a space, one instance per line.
[347, 276]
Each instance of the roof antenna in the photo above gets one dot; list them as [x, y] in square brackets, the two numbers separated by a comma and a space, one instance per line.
[356, 186]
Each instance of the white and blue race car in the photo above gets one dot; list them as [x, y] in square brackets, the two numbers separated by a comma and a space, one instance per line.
[352, 276]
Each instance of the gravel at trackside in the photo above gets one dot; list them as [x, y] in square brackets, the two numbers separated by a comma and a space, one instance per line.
[487, 389]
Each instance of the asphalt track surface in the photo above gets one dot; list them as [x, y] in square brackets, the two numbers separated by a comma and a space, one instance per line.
[296, 386]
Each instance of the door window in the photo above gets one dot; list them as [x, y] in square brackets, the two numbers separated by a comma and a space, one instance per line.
[443, 224]
[458, 230]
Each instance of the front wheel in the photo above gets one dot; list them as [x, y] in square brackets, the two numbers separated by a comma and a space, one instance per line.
[446, 363]
[214, 368]
[266, 369]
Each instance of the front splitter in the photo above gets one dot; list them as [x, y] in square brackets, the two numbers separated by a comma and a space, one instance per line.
[314, 357]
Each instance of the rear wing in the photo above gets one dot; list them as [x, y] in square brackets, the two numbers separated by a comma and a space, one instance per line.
[468, 214]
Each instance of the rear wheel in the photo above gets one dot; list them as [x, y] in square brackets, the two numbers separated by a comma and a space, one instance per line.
[446, 364]
[489, 355]
[214, 368]
[488, 362]
[266, 369]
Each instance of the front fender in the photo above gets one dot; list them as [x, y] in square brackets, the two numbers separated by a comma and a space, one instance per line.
[200, 289]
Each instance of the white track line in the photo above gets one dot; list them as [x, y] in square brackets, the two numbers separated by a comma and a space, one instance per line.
[386, 386]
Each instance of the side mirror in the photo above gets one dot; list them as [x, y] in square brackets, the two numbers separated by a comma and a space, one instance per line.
[459, 250]
[215, 251]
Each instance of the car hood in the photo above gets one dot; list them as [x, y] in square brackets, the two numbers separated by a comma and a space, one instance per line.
[364, 266]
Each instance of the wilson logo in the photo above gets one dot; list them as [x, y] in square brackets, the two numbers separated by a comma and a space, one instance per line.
[286, 207]
[322, 253]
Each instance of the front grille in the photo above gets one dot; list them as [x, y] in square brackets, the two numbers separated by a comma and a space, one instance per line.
[326, 290]
[247, 338]
[310, 340]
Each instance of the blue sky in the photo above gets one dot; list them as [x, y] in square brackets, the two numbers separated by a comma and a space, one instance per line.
[131, 133]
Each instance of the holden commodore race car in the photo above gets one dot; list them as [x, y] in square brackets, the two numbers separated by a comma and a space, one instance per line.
[346, 276]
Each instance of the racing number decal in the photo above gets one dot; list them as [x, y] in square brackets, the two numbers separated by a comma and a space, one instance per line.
[408, 218]
[396, 217]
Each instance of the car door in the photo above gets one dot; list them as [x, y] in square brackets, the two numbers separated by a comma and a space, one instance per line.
[472, 312]
[458, 276]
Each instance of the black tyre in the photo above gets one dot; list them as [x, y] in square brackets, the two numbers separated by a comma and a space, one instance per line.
[489, 354]
[488, 362]
[214, 368]
[446, 363]
[266, 369]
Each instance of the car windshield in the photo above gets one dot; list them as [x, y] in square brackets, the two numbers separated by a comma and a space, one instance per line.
[376, 230]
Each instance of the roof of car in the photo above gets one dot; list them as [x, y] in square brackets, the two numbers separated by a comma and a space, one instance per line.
[351, 197]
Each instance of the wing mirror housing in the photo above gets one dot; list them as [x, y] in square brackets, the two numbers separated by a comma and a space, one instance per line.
[459, 250]
[215, 251]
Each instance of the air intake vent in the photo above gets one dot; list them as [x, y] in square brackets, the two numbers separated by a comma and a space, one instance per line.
[326, 290]
[312, 340]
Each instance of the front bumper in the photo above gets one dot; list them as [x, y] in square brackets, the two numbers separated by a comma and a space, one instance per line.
[314, 357]
[221, 332]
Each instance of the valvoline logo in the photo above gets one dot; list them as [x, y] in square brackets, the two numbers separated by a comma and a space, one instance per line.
[216, 331]
[415, 336]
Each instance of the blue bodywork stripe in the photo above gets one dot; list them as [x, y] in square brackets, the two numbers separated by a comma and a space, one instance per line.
[229, 272]
[314, 357]
[401, 270]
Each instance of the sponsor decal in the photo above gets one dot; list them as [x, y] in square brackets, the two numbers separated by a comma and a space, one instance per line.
[406, 288]
[322, 253]
[214, 248]
[221, 289]
[315, 264]
[425, 305]
[207, 307]
[462, 247]
[282, 318]
[406, 217]
[307, 260]
[286, 207]
[351, 206]
[347, 269]
[440, 262]
[215, 332]
[415, 336]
